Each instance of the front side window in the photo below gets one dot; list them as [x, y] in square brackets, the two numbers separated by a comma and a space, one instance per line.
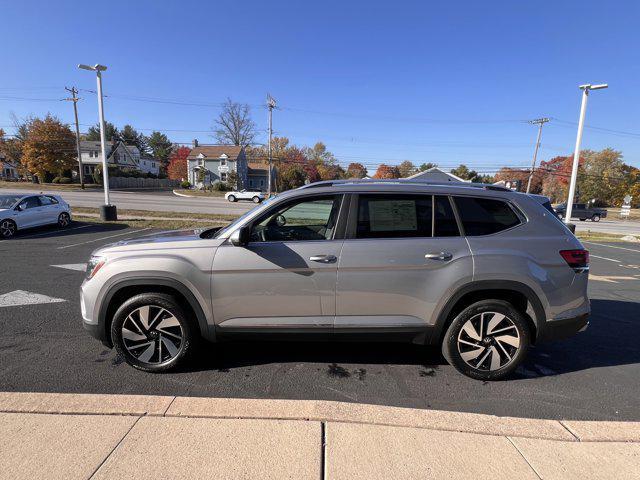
[307, 219]
[484, 216]
[394, 216]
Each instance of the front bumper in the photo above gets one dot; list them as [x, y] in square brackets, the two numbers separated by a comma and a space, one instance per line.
[568, 327]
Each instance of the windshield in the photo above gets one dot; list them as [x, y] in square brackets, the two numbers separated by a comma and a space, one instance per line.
[240, 219]
[6, 201]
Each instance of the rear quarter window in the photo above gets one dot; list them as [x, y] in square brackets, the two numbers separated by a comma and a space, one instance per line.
[484, 216]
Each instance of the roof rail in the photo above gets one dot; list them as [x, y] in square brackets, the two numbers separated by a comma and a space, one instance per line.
[399, 181]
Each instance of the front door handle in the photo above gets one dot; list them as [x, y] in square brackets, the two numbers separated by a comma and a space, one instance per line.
[323, 258]
[445, 256]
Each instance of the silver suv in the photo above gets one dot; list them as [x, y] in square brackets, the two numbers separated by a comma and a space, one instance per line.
[482, 271]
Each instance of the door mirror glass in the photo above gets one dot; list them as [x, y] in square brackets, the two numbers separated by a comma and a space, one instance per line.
[20, 207]
[240, 238]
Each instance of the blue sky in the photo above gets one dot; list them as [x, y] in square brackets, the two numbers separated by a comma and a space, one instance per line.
[444, 82]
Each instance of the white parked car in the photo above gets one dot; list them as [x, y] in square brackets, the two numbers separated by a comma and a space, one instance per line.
[256, 196]
[18, 212]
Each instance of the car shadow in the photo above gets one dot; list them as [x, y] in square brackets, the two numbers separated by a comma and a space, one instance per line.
[610, 340]
[75, 228]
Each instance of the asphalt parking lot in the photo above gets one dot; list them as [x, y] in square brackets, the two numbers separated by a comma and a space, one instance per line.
[43, 348]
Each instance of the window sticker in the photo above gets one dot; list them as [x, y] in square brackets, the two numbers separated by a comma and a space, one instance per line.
[392, 215]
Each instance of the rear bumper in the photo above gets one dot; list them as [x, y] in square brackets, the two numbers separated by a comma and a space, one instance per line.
[568, 327]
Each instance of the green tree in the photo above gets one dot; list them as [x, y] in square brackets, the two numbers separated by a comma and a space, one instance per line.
[130, 136]
[160, 146]
[466, 173]
[427, 166]
[601, 176]
[319, 154]
[110, 132]
[406, 169]
[49, 147]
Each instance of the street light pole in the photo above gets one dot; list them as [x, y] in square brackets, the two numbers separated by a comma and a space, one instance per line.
[576, 153]
[541, 122]
[108, 212]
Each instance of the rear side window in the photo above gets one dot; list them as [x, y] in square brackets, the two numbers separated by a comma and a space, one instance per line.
[445, 221]
[394, 216]
[484, 216]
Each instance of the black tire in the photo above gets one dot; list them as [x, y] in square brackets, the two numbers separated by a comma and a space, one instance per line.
[582, 219]
[509, 356]
[126, 347]
[256, 199]
[595, 218]
[8, 228]
[232, 198]
[64, 220]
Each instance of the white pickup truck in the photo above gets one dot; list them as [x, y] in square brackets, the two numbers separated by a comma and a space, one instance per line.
[256, 196]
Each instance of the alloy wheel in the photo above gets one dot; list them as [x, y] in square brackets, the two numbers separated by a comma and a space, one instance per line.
[488, 341]
[7, 228]
[152, 335]
[64, 220]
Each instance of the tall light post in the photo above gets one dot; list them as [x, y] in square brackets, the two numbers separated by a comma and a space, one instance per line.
[576, 153]
[108, 212]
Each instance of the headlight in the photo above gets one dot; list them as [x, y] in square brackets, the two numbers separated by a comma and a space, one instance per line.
[94, 264]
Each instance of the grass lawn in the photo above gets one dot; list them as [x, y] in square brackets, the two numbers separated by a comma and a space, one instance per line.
[47, 186]
[161, 220]
[601, 237]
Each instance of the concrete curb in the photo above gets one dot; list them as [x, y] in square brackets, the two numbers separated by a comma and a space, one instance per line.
[182, 194]
[317, 410]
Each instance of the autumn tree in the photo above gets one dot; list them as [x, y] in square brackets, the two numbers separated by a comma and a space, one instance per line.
[234, 124]
[49, 147]
[319, 154]
[291, 175]
[110, 132]
[406, 169]
[602, 176]
[177, 168]
[387, 172]
[356, 170]
[557, 173]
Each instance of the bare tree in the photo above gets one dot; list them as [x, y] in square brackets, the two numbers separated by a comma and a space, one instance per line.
[234, 125]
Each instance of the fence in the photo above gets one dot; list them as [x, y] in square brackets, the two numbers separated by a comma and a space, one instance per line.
[130, 182]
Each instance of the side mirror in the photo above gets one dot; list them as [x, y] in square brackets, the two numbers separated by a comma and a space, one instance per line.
[281, 221]
[19, 208]
[240, 238]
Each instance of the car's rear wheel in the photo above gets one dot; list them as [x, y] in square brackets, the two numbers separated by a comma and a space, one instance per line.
[231, 198]
[151, 332]
[595, 218]
[256, 199]
[64, 219]
[487, 340]
[8, 228]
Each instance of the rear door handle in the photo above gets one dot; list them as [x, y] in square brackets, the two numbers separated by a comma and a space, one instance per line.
[323, 258]
[445, 256]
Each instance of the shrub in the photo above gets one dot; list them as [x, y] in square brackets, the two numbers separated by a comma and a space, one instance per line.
[65, 180]
[184, 184]
[56, 180]
[220, 187]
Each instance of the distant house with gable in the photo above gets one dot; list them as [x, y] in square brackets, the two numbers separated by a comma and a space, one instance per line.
[126, 157]
[436, 175]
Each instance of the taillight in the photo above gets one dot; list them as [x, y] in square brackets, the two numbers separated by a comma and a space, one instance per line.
[576, 259]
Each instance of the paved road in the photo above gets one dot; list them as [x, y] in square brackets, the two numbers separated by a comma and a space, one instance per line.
[591, 376]
[152, 201]
[623, 227]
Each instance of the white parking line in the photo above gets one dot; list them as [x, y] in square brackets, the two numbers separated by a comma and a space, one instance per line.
[605, 258]
[103, 238]
[611, 246]
[56, 231]
[80, 267]
[22, 297]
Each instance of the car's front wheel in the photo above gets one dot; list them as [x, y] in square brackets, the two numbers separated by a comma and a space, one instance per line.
[8, 228]
[231, 198]
[595, 218]
[64, 219]
[151, 332]
[256, 199]
[487, 340]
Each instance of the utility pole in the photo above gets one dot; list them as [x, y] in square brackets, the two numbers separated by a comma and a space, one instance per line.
[75, 99]
[576, 153]
[541, 122]
[271, 104]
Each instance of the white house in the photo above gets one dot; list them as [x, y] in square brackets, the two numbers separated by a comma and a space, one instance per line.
[118, 154]
[208, 164]
[8, 170]
[436, 175]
